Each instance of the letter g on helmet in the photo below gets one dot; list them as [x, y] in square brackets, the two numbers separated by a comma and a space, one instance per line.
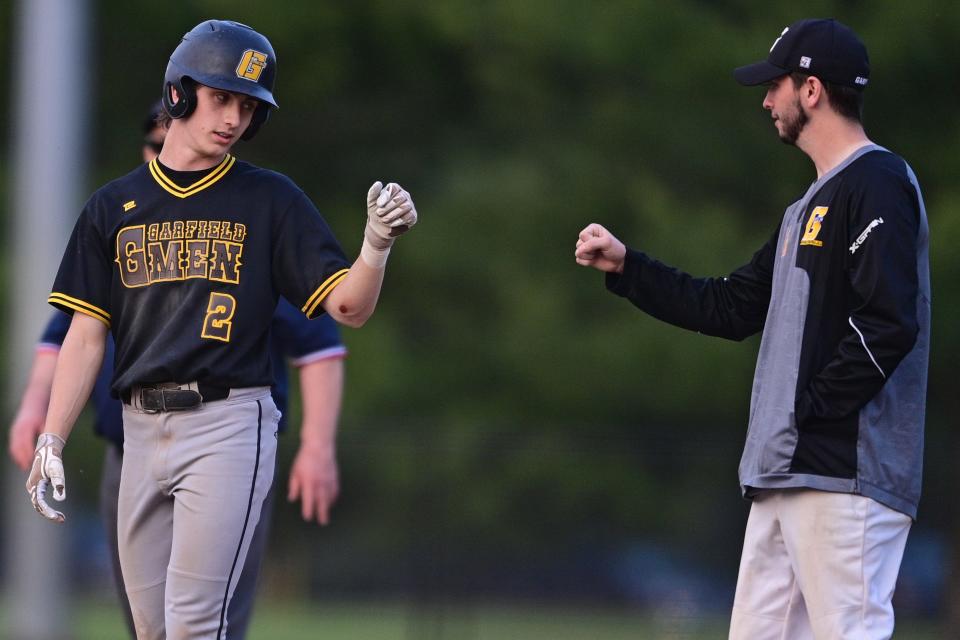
[223, 55]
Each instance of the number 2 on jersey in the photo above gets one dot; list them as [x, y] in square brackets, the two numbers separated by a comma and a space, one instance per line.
[219, 320]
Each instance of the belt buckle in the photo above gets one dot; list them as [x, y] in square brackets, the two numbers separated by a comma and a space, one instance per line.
[141, 392]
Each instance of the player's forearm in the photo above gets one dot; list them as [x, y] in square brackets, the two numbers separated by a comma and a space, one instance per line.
[36, 396]
[77, 367]
[353, 300]
[390, 213]
[321, 385]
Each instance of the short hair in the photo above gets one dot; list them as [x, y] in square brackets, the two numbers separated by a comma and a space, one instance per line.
[846, 101]
[152, 117]
[163, 119]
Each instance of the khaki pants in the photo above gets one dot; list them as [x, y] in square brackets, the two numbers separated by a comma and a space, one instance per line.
[191, 491]
[818, 565]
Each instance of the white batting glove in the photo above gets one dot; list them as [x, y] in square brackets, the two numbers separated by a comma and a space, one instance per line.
[47, 470]
[390, 213]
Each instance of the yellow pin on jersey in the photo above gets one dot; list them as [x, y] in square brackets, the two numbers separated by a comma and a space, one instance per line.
[252, 64]
[813, 227]
[129, 205]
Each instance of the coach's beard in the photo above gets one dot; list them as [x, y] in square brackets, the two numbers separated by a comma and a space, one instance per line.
[793, 124]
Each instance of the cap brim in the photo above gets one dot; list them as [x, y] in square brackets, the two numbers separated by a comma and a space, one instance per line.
[758, 73]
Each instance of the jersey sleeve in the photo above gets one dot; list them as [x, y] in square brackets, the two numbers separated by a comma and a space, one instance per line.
[302, 340]
[881, 266]
[307, 259]
[733, 307]
[83, 280]
[55, 331]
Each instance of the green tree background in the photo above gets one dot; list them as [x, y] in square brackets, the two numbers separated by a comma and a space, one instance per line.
[505, 415]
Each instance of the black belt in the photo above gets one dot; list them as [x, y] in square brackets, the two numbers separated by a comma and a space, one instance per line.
[172, 397]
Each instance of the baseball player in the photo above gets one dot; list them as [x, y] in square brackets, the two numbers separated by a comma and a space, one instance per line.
[313, 347]
[841, 292]
[183, 260]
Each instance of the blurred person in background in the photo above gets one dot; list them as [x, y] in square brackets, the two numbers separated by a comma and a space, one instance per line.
[834, 447]
[312, 347]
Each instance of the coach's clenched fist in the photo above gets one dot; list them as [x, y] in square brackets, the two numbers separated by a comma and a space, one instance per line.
[600, 249]
[47, 470]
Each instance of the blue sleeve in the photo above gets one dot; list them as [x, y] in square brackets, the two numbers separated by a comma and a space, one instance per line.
[56, 329]
[298, 337]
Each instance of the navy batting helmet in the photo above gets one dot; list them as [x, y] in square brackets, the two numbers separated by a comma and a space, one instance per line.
[223, 55]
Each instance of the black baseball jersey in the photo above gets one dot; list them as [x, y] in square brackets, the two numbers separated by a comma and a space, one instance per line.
[185, 267]
[842, 294]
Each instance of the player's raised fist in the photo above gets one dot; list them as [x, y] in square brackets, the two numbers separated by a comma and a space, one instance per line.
[390, 213]
[600, 249]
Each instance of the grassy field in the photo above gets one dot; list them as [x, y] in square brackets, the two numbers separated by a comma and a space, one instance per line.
[97, 620]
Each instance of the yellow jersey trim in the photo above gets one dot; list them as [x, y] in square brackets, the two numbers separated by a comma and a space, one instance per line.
[322, 291]
[63, 300]
[174, 189]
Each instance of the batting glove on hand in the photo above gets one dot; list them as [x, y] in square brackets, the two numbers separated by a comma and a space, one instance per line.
[47, 469]
[390, 213]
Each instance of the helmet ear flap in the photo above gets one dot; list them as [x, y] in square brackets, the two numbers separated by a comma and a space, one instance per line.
[187, 94]
[259, 117]
[224, 55]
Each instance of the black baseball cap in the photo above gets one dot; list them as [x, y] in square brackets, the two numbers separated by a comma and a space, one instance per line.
[149, 122]
[823, 48]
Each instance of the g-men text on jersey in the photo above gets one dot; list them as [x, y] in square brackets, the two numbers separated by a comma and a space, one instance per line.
[179, 250]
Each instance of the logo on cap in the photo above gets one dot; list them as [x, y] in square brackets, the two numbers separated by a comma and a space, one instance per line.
[782, 33]
[252, 64]
[822, 47]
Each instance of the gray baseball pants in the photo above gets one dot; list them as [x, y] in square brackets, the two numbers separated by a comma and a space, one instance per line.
[191, 492]
[241, 605]
[109, 492]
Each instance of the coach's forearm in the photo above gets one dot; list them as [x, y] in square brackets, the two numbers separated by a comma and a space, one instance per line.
[77, 367]
[353, 300]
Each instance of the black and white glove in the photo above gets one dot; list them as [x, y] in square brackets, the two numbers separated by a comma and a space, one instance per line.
[47, 470]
